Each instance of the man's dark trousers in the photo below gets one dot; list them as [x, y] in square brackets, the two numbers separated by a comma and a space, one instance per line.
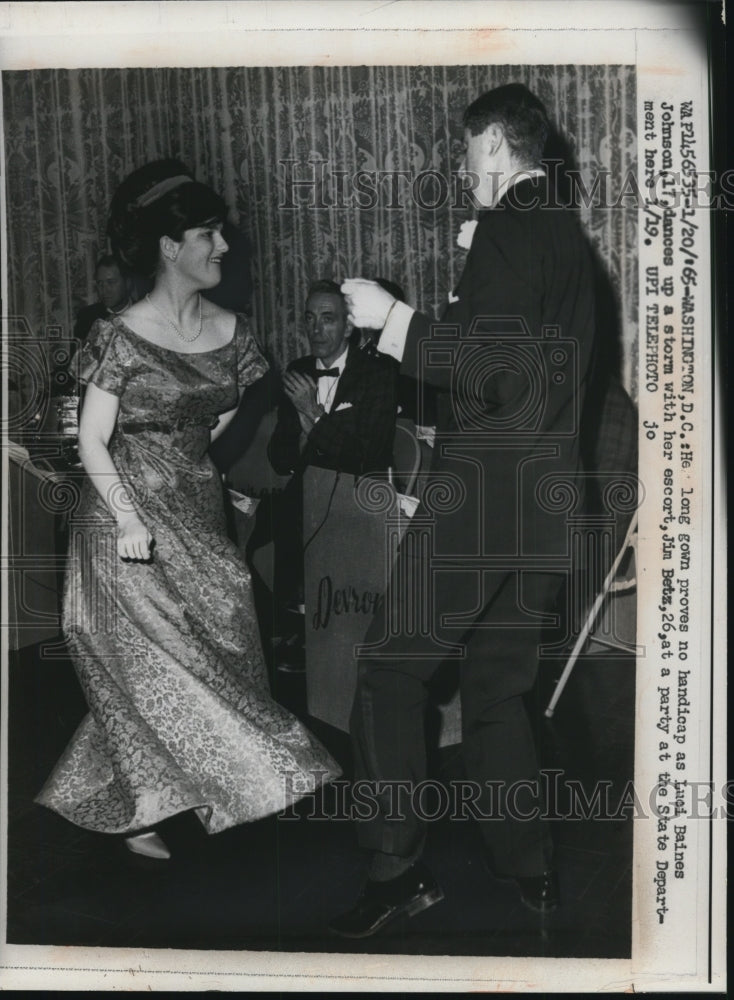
[498, 666]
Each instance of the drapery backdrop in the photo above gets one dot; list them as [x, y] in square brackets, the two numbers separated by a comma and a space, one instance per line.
[372, 148]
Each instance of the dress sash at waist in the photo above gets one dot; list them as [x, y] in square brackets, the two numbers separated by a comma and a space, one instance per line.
[140, 426]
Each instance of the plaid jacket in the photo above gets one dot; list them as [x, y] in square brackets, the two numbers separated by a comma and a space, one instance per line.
[356, 436]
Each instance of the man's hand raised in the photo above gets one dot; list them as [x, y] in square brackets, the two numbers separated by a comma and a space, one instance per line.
[368, 303]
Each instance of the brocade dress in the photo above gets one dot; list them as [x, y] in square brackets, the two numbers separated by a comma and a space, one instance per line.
[168, 652]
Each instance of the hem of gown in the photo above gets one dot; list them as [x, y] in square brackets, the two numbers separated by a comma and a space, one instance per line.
[202, 807]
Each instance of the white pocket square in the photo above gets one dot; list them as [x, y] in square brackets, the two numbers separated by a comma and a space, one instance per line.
[342, 406]
[453, 298]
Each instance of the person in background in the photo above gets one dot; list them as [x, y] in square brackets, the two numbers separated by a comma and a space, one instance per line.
[337, 411]
[338, 406]
[113, 295]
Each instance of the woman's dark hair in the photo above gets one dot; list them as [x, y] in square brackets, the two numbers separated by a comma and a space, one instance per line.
[159, 199]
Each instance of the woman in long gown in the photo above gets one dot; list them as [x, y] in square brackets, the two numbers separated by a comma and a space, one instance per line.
[158, 608]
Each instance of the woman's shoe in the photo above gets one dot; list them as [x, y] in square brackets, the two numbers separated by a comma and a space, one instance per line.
[149, 845]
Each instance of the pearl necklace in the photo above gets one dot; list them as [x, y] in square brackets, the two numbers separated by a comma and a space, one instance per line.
[176, 327]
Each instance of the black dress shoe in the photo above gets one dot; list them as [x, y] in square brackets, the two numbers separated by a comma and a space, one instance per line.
[538, 892]
[383, 902]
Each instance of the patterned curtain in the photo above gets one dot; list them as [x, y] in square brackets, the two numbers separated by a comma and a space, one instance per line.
[329, 171]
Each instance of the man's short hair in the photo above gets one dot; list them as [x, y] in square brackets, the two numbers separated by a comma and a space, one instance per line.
[109, 260]
[522, 116]
[325, 286]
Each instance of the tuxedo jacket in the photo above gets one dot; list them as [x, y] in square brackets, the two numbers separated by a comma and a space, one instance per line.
[416, 399]
[511, 355]
[356, 435]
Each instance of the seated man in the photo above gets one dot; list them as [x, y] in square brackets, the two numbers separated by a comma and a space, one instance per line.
[338, 412]
[339, 403]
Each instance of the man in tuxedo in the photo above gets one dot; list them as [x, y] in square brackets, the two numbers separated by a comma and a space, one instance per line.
[338, 412]
[480, 566]
[340, 403]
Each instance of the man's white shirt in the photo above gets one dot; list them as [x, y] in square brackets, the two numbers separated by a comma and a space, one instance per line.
[327, 384]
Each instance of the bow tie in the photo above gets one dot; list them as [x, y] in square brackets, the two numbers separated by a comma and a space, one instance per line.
[331, 372]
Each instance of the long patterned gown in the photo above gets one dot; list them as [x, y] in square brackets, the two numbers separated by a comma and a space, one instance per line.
[168, 652]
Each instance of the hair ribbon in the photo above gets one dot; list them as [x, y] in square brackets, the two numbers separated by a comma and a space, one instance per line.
[162, 188]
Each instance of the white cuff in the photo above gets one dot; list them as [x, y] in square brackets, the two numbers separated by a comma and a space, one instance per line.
[395, 331]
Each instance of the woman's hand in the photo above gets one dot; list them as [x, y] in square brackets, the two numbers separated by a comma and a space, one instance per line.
[96, 426]
[134, 541]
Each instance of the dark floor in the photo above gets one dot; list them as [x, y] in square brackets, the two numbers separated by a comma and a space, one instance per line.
[274, 885]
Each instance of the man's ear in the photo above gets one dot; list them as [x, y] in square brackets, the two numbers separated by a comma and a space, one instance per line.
[493, 137]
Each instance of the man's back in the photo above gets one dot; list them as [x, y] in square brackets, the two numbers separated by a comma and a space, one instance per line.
[513, 364]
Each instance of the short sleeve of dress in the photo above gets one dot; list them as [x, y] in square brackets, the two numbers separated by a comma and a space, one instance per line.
[251, 364]
[103, 360]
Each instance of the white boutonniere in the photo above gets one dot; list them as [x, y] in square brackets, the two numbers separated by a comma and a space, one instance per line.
[466, 234]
